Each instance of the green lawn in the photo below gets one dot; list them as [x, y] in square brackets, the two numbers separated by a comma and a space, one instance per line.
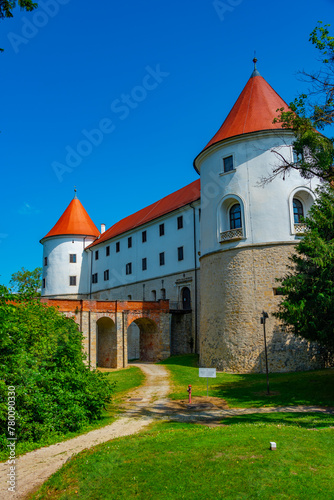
[125, 381]
[189, 461]
[249, 390]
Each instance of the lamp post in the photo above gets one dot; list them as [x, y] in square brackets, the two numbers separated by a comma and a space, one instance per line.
[263, 322]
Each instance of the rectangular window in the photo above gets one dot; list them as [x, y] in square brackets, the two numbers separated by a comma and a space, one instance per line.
[180, 222]
[130, 242]
[94, 278]
[43, 284]
[96, 255]
[118, 246]
[73, 258]
[107, 251]
[180, 253]
[228, 163]
[162, 258]
[106, 275]
[144, 237]
[45, 261]
[73, 280]
[161, 229]
[128, 268]
[144, 264]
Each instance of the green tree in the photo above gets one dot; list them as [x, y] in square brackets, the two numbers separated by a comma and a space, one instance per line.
[313, 152]
[308, 306]
[27, 282]
[41, 356]
[7, 6]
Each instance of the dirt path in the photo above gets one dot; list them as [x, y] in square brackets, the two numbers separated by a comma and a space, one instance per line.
[34, 468]
[144, 405]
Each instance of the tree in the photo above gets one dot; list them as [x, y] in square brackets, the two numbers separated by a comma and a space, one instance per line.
[308, 306]
[7, 6]
[27, 282]
[313, 152]
[41, 356]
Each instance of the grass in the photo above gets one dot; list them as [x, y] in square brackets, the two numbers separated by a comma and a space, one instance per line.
[249, 390]
[189, 461]
[126, 380]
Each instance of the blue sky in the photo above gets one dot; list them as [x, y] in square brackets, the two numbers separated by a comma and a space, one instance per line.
[138, 89]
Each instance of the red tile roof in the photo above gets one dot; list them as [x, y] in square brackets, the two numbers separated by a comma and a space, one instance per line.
[178, 199]
[253, 111]
[74, 221]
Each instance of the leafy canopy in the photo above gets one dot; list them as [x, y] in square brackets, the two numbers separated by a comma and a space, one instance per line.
[27, 282]
[41, 356]
[7, 6]
[308, 306]
[313, 152]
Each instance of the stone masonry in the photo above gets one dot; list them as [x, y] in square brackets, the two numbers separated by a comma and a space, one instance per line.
[236, 286]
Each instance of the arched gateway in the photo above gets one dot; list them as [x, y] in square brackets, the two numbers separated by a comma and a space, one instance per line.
[105, 328]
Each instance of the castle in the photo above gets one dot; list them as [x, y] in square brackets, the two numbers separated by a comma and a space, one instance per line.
[213, 249]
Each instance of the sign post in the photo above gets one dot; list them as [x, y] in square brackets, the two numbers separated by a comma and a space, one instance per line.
[208, 373]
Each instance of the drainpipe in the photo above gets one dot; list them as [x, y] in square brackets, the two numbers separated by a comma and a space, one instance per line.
[90, 298]
[123, 335]
[195, 260]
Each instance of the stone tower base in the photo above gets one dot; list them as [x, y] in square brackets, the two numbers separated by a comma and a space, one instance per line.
[236, 286]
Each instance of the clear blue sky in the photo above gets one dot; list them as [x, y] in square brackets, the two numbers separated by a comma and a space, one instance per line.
[67, 69]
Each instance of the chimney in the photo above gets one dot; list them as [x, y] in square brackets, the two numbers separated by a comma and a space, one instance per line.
[103, 228]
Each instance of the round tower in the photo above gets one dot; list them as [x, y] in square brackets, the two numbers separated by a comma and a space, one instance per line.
[65, 262]
[248, 231]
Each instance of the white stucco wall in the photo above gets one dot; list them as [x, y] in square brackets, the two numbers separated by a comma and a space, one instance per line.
[266, 210]
[155, 244]
[58, 270]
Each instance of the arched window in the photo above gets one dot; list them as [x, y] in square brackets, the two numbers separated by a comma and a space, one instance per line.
[298, 211]
[235, 216]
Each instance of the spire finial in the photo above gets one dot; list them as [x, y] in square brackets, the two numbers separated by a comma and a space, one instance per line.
[75, 192]
[255, 71]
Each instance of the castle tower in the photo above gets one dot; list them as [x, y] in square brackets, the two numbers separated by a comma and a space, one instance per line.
[65, 262]
[248, 231]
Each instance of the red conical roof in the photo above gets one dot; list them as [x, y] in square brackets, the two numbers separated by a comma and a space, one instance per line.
[254, 110]
[75, 221]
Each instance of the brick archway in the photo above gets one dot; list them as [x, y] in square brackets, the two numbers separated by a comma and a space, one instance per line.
[152, 319]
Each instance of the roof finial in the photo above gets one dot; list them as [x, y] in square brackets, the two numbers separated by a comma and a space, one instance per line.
[75, 192]
[255, 71]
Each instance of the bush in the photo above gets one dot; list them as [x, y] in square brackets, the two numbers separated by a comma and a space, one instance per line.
[41, 356]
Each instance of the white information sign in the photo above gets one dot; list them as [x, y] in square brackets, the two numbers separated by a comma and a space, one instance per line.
[207, 372]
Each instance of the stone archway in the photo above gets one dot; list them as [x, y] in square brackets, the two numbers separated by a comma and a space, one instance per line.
[106, 352]
[149, 339]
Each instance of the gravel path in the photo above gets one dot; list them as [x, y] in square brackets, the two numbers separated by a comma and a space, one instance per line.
[34, 468]
[146, 404]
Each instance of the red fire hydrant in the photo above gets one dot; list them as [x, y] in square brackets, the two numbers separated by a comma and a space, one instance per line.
[189, 391]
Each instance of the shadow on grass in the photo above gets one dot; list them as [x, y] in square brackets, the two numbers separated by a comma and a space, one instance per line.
[190, 360]
[304, 420]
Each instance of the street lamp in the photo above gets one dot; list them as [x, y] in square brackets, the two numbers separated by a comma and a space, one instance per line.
[263, 322]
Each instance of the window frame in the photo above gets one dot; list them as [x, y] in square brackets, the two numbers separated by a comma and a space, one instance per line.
[232, 221]
[73, 279]
[180, 222]
[162, 229]
[226, 170]
[144, 236]
[96, 255]
[73, 258]
[180, 254]
[128, 268]
[130, 242]
[118, 246]
[162, 260]
[106, 275]
[144, 264]
[107, 251]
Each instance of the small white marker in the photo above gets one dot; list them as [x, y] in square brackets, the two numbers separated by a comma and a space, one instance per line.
[272, 445]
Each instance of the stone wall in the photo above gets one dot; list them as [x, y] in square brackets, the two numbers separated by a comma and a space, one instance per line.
[236, 286]
[182, 339]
